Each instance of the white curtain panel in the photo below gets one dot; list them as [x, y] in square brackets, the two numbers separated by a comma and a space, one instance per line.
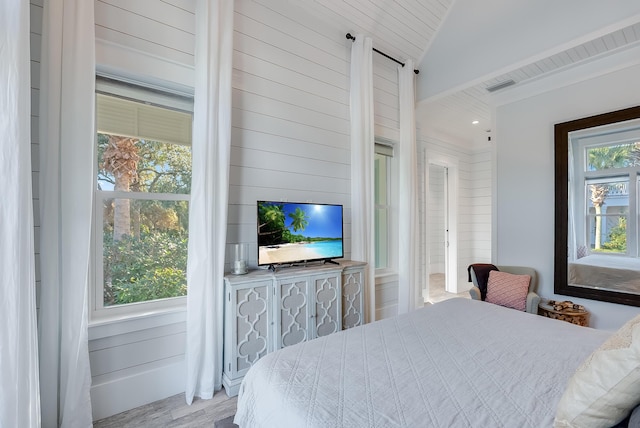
[362, 157]
[409, 265]
[209, 197]
[67, 136]
[19, 388]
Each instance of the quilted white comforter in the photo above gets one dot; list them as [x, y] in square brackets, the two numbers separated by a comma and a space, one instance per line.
[459, 363]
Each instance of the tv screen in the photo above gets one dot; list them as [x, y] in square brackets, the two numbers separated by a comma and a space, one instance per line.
[291, 232]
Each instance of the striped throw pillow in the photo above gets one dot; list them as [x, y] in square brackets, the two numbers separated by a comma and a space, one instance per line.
[507, 289]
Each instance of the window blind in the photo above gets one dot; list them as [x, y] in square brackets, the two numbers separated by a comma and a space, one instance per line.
[119, 116]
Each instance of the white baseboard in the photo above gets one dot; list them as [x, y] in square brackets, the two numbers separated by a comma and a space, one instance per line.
[118, 395]
[386, 311]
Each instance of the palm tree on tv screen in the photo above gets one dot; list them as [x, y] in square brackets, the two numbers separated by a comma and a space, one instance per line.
[299, 219]
[271, 224]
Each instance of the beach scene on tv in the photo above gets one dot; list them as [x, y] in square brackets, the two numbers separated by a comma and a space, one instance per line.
[290, 232]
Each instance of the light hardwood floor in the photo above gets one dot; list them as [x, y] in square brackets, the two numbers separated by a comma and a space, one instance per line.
[437, 292]
[174, 412]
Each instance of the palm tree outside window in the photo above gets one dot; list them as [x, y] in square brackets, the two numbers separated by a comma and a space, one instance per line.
[610, 176]
[141, 213]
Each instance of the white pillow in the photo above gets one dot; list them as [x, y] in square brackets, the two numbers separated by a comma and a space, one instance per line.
[606, 387]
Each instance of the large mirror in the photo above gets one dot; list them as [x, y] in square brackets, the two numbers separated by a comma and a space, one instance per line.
[597, 196]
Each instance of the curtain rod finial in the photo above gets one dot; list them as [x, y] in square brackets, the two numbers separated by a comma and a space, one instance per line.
[350, 37]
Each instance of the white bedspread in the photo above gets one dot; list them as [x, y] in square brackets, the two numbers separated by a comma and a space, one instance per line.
[458, 363]
[606, 271]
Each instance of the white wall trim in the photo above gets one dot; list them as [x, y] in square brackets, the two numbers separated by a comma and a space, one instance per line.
[386, 311]
[494, 189]
[452, 165]
[608, 63]
[113, 397]
[114, 327]
[386, 285]
[432, 93]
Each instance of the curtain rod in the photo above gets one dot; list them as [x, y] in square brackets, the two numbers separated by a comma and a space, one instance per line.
[353, 39]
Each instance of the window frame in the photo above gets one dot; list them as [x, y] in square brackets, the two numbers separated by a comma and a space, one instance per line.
[563, 134]
[589, 217]
[98, 313]
[583, 176]
[386, 148]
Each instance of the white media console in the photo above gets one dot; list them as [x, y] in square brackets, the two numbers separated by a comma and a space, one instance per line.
[266, 311]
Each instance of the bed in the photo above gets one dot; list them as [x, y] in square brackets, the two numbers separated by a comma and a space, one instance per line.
[606, 271]
[457, 363]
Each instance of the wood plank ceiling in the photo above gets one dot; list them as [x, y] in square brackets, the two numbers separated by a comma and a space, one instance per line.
[402, 28]
[406, 28]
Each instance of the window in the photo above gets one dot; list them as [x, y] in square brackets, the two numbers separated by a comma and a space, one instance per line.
[141, 214]
[607, 214]
[382, 177]
[608, 201]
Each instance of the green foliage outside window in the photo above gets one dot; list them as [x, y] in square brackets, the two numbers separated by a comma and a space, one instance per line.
[144, 240]
[152, 266]
[604, 158]
[617, 237]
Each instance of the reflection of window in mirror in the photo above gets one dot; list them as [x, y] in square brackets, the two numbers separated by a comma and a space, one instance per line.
[603, 234]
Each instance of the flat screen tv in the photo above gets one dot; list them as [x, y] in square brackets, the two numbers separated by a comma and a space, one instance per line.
[290, 232]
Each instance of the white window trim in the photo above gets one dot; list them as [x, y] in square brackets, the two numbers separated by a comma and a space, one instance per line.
[581, 176]
[391, 269]
[140, 314]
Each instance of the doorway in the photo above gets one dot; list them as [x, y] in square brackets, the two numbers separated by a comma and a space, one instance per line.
[441, 226]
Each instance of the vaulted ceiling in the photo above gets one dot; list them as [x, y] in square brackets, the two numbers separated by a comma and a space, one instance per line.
[464, 47]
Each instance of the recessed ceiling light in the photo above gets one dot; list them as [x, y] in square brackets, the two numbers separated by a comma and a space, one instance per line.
[475, 122]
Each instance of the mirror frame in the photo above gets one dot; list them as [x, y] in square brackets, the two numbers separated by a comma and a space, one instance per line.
[561, 134]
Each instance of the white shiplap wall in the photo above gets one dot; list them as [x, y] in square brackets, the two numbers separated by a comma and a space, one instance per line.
[290, 141]
[290, 136]
[479, 208]
[474, 231]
